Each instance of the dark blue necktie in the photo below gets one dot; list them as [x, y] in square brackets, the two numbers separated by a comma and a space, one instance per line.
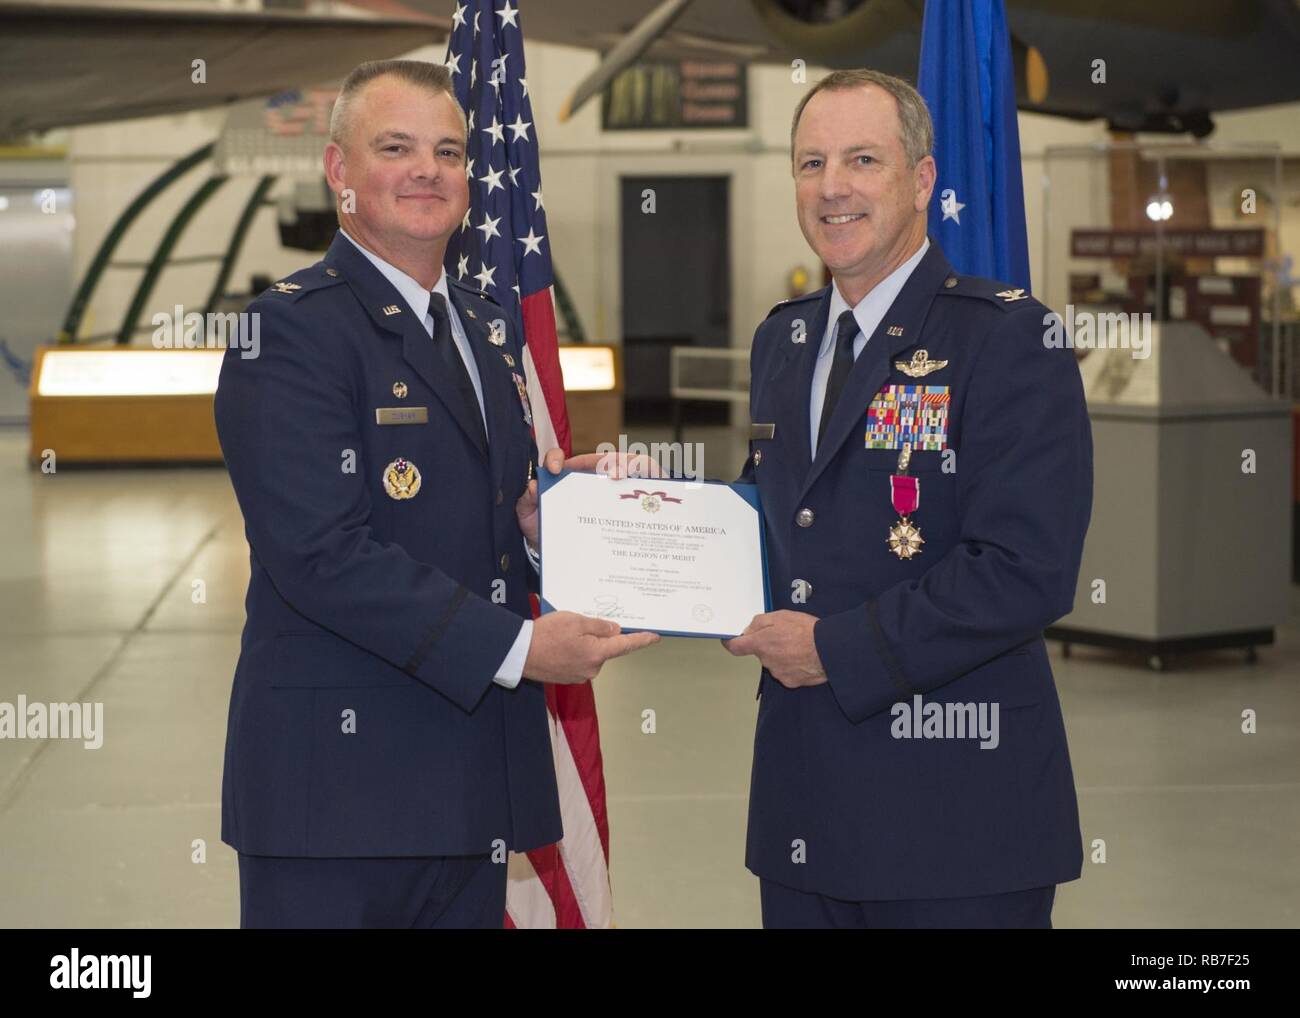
[450, 360]
[846, 330]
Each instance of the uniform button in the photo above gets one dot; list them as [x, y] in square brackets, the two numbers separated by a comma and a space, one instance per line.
[950, 282]
[501, 496]
[505, 561]
[801, 591]
[804, 517]
[331, 272]
[758, 456]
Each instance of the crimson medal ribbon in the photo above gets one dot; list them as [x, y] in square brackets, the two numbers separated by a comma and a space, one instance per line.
[905, 492]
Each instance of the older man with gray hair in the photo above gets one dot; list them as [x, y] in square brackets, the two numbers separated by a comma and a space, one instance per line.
[925, 467]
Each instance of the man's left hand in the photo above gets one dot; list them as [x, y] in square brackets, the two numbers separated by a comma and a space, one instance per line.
[783, 643]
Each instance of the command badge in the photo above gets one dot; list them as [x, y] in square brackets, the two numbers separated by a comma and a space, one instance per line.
[401, 480]
[920, 365]
[497, 334]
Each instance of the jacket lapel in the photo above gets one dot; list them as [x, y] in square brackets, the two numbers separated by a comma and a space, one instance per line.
[418, 350]
[392, 314]
[499, 395]
[791, 381]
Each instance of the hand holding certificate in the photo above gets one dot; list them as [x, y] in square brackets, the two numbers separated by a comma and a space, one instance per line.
[681, 558]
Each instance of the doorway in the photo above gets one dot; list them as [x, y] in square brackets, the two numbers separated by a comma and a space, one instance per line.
[676, 286]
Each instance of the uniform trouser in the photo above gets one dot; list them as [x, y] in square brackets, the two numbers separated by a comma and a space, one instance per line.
[786, 908]
[428, 892]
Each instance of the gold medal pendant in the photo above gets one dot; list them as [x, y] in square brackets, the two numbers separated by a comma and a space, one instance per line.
[905, 539]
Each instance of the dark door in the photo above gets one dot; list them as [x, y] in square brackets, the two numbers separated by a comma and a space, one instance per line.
[676, 263]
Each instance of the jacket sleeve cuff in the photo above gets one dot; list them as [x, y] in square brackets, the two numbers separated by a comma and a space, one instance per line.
[862, 672]
[460, 652]
[511, 669]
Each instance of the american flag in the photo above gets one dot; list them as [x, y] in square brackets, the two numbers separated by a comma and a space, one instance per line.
[503, 246]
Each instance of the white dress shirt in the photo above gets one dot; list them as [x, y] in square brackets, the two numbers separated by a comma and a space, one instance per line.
[868, 312]
[417, 299]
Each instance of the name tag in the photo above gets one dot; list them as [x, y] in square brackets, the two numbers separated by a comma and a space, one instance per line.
[762, 431]
[402, 415]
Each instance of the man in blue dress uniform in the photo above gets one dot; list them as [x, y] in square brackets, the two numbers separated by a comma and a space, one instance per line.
[383, 754]
[925, 468]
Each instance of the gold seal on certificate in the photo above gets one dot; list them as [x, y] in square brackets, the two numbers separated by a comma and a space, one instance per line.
[682, 558]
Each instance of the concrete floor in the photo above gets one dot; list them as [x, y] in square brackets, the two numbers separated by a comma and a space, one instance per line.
[97, 571]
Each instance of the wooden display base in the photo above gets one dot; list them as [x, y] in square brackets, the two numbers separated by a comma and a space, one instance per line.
[123, 429]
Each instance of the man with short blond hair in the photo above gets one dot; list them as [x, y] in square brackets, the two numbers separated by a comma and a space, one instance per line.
[388, 741]
[925, 468]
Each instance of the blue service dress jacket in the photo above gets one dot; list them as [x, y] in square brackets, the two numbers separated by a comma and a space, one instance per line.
[388, 580]
[849, 797]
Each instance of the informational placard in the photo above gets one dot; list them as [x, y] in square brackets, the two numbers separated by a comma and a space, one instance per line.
[1192, 243]
[682, 95]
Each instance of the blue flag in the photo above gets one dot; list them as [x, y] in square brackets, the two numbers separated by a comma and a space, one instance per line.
[977, 213]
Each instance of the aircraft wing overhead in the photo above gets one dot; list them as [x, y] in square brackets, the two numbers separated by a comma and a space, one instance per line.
[64, 64]
[1171, 64]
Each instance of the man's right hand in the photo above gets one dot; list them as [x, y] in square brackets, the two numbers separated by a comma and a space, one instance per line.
[568, 647]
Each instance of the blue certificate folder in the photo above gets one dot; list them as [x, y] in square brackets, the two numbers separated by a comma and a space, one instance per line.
[749, 492]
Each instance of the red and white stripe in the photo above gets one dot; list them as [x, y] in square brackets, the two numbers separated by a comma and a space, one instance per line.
[566, 885]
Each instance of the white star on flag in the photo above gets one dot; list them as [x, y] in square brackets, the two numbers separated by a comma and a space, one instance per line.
[463, 261]
[532, 243]
[537, 197]
[453, 63]
[497, 130]
[507, 14]
[520, 127]
[493, 180]
[489, 227]
[458, 18]
[951, 206]
[484, 276]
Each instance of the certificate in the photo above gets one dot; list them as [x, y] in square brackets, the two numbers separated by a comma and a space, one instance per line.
[681, 558]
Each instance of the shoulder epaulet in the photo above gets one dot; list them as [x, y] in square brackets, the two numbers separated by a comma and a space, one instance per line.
[790, 301]
[293, 287]
[471, 290]
[1004, 295]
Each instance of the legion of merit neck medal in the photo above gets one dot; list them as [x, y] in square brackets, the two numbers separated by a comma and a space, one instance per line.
[905, 538]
